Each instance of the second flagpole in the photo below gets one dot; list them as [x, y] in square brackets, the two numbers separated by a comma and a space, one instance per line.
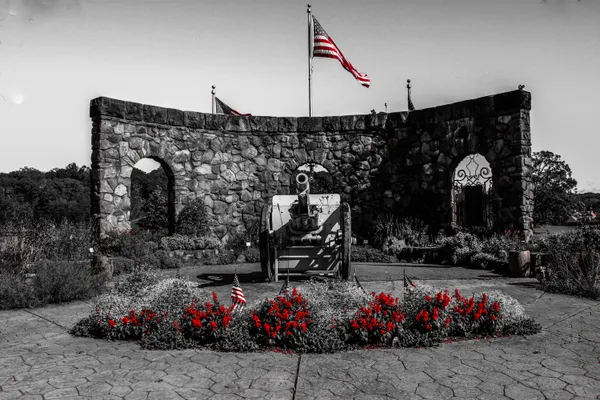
[310, 44]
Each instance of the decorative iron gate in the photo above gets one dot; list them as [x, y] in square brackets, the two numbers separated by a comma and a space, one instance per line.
[472, 193]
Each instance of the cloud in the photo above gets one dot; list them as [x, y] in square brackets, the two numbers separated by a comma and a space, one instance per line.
[26, 11]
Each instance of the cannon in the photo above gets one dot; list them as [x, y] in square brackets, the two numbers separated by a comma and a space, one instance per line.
[305, 234]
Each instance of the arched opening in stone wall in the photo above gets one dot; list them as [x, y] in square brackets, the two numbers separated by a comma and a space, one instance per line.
[320, 179]
[472, 193]
[152, 197]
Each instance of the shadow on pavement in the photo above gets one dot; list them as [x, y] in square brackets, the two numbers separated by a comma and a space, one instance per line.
[226, 278]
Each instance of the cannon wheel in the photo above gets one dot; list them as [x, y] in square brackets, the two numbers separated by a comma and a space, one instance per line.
[266, 252]
[347, 269]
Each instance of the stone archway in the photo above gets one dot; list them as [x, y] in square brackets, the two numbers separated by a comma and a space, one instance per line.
[472, 195]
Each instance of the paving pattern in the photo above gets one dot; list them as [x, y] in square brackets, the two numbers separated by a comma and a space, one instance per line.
[40, 360]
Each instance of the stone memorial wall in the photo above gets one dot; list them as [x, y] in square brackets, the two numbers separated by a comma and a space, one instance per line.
[399, 163]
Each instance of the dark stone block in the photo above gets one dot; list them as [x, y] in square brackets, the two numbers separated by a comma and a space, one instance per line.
[174, 117]
[510, 101]
[376, 121]
[193, 119]
[263, 124]
[422, 115]
[215, 122]
[105, 106]
[310, 124]
[442, 113]
[156, 115]
[332, 124]
[396, 119]
[482, 106]
[287, 124]
[134, 111]
[462, 109]
[238, 124]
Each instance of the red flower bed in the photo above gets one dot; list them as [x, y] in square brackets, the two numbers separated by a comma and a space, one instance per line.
[433, 315]
[377, 322]
[283, 321]
[476, 315]
[205, 322]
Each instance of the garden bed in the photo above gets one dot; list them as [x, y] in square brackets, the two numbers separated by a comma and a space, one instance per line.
[319, 316]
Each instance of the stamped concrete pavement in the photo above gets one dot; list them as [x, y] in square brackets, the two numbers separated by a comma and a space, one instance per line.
[40, 360]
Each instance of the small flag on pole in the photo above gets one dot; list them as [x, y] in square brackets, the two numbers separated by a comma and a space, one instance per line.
[238, 301]
[407, 281]
[285, 289]
[323, 46]
[222, 108]
[357, 283]
[411, 106]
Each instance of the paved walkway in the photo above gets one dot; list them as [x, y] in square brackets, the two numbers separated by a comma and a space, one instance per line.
[40, 360]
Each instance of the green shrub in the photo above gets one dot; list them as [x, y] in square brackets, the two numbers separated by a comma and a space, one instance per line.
[393, 246]
[58, 281]
[482, 261]
[370, 255]
[178, 242]
[122, 265]
[193, 219]
[15, 292]
[251, 255]
[224, 257]
[410, 230]
[167, 262]
[130, 245]
[573, 262]
[137, 282]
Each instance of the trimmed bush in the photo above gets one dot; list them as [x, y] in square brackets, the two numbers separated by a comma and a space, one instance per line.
[193, 219]
[370, 254]
[58, 281]
[251, 255]
[15, 292]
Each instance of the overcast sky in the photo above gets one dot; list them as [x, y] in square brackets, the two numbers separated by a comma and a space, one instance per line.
[55, 56]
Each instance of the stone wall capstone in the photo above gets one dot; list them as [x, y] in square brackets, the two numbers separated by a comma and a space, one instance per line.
[399, 163]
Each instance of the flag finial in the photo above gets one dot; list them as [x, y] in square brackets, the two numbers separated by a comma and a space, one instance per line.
[213, 89]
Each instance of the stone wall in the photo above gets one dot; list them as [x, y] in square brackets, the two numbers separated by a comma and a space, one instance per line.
[396, 162]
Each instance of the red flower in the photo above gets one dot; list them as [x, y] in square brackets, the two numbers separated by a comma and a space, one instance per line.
[428, 327]
[196, 322]
[303, 326]
[111, 323]
[213, 325]
[428, 298]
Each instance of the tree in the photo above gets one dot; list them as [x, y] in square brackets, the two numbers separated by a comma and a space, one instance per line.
[155, 211]
[554, 189]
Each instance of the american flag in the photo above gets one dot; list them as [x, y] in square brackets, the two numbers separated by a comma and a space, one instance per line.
[223, 108]
[408, 282]
[237, 296]
[323, 46]
[411, 106]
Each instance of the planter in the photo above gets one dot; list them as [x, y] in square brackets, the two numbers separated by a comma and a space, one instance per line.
[519, 262]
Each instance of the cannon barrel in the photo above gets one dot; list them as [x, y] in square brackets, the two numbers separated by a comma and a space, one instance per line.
[303, 193]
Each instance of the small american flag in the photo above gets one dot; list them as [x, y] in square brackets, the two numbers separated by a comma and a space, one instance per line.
[238, 301]
[285, 289]
[411, 106]
[323, 46]
[408, 282]
[223, 108]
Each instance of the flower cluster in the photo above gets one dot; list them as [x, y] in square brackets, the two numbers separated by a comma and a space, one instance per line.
[433, 315]
[205, 322]
[477, 315]
[377, 322]
[282, 321]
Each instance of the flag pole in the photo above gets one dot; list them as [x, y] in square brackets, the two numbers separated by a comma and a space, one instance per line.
[310, 44]
[213, 99]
